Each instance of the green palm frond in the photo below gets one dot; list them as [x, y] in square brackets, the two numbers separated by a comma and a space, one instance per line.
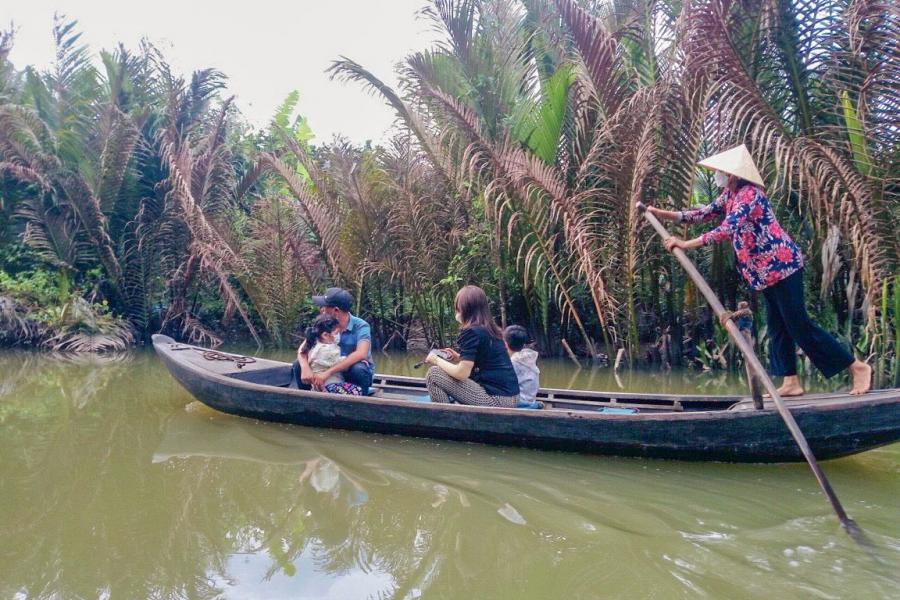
[539, 126]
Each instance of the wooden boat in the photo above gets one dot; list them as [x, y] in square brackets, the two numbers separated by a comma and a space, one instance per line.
[686, 427]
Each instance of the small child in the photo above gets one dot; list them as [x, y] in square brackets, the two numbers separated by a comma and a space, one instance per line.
[524, 361]
[324, 353]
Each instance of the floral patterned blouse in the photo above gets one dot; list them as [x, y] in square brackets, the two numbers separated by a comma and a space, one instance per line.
[765, 253]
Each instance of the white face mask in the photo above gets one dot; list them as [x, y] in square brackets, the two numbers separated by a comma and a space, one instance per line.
[459, 317]
[721, 179]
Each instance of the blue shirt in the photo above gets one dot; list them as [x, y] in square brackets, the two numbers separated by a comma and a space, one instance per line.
[357, 330]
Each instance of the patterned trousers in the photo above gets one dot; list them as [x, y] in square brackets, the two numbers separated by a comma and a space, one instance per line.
[442, 387]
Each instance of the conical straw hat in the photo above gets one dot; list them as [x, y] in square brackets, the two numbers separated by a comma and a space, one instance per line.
[736, 161]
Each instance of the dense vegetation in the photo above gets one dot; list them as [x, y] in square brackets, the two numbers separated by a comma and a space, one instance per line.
[134, 200]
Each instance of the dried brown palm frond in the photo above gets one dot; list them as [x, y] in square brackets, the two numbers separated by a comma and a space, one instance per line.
[179, 316]
[349, 70]
[250, 178]
[24, 143]
[195, 163]
[458, 19]
[682, 110]
[599, 54]
[193, 330]
[418, 223]
[640, 112]
[516, 181]
[320, 217]
[24, 157]
[115, 138]
[685, 91]
[484, 59]
[468, 124]
[83, 327]
[77, 144]
[868, 60]
[15, 326]
[64, 101]
[355, 207]
[54, 233]
[628, 173]
[837, 188]
[213, 178]
[283, 265]
[74, 190]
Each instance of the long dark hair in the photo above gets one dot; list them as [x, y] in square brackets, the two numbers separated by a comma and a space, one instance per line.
[320, 325]
[472, 304]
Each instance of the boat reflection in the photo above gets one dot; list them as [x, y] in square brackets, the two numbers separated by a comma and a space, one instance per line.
[115, 483]
[331, 509]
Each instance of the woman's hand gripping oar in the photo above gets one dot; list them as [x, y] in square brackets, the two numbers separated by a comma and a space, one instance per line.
[750, 356]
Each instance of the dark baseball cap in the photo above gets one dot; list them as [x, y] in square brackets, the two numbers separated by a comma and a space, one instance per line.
[337, 297]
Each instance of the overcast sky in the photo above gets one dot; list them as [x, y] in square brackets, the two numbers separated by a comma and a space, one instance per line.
[265, 47]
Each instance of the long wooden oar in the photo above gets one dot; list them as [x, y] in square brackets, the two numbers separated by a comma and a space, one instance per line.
[750, 356]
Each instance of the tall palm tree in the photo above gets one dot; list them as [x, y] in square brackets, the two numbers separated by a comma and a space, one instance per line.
[812, 89]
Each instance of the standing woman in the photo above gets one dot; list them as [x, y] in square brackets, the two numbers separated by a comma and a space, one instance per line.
[481, 372]
[771, 262]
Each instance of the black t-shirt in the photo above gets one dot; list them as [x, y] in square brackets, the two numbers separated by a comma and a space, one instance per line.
[493, 370]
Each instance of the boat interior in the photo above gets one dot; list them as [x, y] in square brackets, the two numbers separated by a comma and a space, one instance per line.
[397, 387]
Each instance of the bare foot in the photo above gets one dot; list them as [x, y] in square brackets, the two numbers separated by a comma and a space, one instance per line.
[790, 387]
[862, 378]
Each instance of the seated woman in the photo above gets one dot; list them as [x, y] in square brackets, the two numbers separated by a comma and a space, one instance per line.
[481, 372]
[323, 353]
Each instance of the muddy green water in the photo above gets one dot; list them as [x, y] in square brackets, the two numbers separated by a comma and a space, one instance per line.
[115, 484]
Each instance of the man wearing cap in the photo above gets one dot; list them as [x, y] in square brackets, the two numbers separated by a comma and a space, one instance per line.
[355, 342]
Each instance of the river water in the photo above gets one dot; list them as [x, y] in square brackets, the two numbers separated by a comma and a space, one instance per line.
[114, 483]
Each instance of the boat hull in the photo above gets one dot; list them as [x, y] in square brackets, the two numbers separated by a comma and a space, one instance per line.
[833, 428]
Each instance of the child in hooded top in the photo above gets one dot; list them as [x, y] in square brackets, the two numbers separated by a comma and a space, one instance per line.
[524, 361]
[322, 345]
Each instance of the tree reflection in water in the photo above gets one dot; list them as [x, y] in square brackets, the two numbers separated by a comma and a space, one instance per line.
[112, 492]
[343, 512]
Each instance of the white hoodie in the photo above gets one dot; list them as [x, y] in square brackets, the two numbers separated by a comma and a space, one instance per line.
[525, 363]
[324, 356]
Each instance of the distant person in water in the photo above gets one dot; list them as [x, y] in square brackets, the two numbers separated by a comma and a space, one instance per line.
[771, 263]
[524, 362]
[355, 343]
[481, 372]
[323, 353]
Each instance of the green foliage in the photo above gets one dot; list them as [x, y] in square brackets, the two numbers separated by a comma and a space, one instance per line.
[299, 126]
[37, 288]
[62, 322]
[539, 126]
[16, 256]
[528, 133]
[855, 134]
